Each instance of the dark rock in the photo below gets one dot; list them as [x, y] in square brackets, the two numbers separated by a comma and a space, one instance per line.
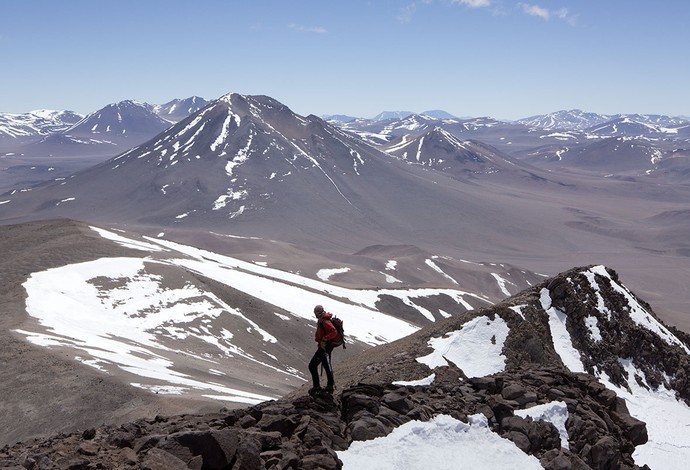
[633, 428]
[421, 413]
[246, 421]
[367, 427]
[289, 460]
[390, 418]
[544, 436]
[158, 459]
[88, 448]
[89, 434]
[560, 462]
[76, 464]
[285, 425]
[356, 403]
[562, 459]
[527, 398]
[127, 456]
[249, 454]
[607, 397]
[513, 391]
[217, 448]
[605, 453]
[267, 440]
[500, 408]
[398, 402]
[515, 423]
[143, 444]
[302, 426]
[520, 440]
[271, 458]
[484, 383]
[320, 462]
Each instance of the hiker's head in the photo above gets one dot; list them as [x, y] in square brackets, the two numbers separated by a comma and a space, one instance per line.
[318, 311]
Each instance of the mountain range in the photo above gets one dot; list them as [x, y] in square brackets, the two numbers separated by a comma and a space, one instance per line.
[249, 166]
[46, 144]
[181, 272]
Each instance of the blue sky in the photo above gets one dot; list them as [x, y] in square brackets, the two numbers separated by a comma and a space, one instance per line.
[501, 58]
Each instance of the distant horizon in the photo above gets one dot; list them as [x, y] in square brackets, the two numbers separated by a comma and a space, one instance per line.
[681, 116]
[506, 59]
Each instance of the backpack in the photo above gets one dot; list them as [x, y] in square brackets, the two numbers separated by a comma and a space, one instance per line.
[338, 324]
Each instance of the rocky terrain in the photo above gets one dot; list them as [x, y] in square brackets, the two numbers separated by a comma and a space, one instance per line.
[609, 328]
[306, 432]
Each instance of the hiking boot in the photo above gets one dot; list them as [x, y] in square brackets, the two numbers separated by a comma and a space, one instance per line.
[329, 389]
[315, 390]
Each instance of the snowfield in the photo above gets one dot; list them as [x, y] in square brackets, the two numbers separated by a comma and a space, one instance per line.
[116, 312]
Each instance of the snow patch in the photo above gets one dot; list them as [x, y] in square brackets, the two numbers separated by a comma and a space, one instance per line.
[326, 274]
[476, 348]
[417, 383]
[562, 342]
[443, 443]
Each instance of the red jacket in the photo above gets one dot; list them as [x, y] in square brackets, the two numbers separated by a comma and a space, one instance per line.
[325, 329]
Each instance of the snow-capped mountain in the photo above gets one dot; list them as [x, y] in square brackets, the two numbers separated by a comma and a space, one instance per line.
[400, 115]
[506, 136]
[613, 155]
[574, 119]
[388, 115]
[606, 125]
[249, 166]
[125, 122]
[438, 114]
[630, 126]
[178, 109]
[660, 120]
[36, 123]
[443, 151]
[383, 132]
[338, 118]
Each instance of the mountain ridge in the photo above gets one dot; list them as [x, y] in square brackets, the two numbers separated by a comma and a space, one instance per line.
[575, 316]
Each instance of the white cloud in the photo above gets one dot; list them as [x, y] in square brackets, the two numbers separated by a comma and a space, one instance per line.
[307, 29]
[474, 3]
[536, 10]
[406, 13]
[546, 14]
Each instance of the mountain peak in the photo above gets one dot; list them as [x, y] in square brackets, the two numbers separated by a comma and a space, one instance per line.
[120, 120]
[178, 109]
[387, 115]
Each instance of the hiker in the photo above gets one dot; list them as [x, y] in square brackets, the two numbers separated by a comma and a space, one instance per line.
[325, 335]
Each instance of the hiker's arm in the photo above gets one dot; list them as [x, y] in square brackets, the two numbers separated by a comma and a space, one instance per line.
[330, 333]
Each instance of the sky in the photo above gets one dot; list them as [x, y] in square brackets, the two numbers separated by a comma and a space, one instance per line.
[501, 58]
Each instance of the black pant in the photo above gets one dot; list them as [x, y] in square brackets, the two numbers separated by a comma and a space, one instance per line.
[321, 357]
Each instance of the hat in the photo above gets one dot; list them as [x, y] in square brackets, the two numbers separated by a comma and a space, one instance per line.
[318, 310]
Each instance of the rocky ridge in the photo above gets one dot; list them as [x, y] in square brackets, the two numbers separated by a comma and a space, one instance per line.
[607, 324]
[306, 433]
